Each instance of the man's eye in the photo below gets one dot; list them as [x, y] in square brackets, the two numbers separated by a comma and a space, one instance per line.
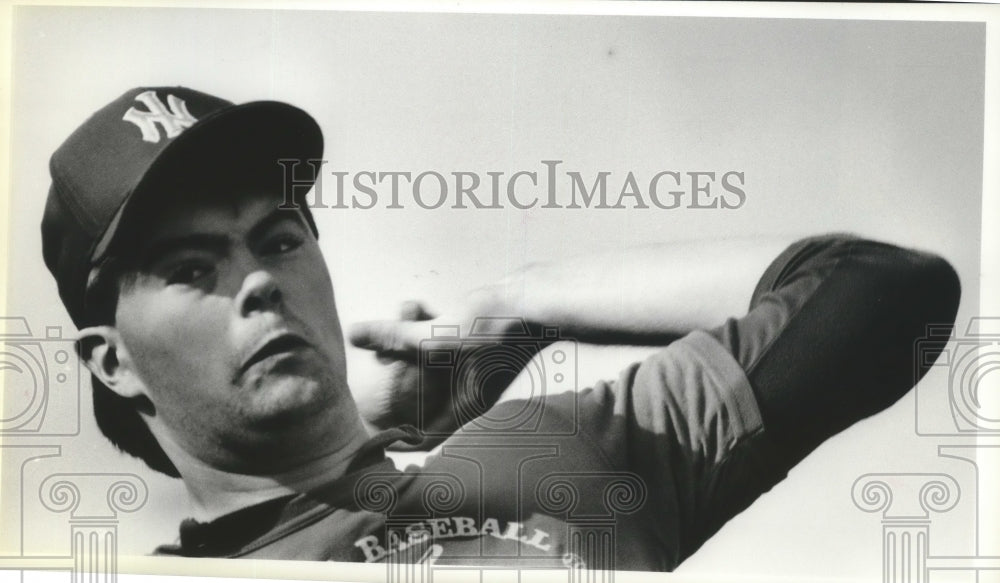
[282, 244]
[188, 273]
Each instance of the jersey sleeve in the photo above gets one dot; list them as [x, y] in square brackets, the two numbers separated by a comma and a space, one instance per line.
[718, 417]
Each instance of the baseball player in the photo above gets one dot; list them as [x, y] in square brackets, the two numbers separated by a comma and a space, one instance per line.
[207, 318]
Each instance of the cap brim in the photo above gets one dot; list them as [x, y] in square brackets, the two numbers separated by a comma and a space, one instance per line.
[250, 136]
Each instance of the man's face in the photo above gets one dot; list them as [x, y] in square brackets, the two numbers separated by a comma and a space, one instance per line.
[232, 329]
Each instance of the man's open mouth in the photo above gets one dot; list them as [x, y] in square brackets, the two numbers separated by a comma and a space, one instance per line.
[280, 344]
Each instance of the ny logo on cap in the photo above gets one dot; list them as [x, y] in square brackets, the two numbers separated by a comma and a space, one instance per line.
[174, 116]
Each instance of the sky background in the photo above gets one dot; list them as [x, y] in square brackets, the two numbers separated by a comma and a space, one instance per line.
[873, 127]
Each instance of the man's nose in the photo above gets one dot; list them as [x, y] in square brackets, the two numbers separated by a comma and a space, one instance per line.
[260, 293]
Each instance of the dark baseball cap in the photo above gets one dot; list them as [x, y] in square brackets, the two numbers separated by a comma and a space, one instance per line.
[149, 136]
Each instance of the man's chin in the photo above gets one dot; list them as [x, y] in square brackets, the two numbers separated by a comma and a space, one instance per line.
[280, 399]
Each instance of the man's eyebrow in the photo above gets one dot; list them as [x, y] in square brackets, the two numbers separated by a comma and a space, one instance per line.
[163, 247]
[276, 216]
[212, 241]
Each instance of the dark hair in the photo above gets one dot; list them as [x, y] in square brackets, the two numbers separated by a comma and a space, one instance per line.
[118, 417]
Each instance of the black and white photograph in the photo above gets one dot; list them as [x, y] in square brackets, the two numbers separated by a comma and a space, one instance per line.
[474, 292]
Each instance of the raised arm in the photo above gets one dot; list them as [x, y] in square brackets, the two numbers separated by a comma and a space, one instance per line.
[823, 328]
[642, 296]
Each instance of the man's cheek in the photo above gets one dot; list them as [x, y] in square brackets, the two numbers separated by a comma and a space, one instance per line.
[164, 332]
[310, 295]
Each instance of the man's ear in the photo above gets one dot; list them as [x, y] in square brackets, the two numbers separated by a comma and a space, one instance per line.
[102, 352]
